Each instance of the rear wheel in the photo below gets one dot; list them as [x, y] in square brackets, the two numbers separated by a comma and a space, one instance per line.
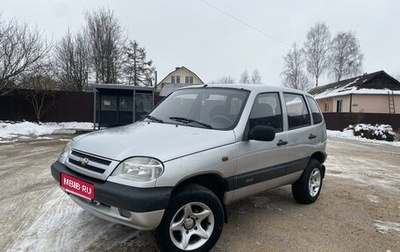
[193, 221]
[306, 190]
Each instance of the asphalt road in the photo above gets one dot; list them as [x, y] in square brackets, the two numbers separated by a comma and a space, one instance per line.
[358, 209]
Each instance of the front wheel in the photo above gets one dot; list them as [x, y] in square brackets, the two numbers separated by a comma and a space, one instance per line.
[193, 221]
[306, 190]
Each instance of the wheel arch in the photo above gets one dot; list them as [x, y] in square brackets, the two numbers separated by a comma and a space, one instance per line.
[211, 181]
[320, 157]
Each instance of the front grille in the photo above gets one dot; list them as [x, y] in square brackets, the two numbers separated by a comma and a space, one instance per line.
[88, 162]
[91, 158]
[88, 167]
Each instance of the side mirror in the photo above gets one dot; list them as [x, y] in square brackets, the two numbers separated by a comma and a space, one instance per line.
[262, 133]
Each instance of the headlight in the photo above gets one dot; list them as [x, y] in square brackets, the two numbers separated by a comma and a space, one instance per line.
[65, 152]
[139, 169]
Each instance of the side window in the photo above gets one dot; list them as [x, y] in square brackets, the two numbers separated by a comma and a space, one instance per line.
[297, 112]
[267, 111]
[315, 111]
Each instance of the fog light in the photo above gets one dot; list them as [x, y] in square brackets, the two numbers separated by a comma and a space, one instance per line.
[124, 213]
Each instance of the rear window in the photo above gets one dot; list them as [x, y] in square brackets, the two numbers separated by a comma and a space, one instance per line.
[315, 111]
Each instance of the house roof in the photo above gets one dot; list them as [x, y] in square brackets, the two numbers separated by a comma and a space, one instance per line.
[176, 69]
[374, 83]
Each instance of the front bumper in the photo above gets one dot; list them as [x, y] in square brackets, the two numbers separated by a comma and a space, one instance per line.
[140, 208]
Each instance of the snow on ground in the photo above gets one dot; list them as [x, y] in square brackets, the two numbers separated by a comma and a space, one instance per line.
[64, 225]
[12, 132]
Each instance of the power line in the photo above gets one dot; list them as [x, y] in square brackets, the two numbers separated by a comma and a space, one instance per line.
[246, 24]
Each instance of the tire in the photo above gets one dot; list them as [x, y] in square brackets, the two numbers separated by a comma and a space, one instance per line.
[307, 188]
[193, 221]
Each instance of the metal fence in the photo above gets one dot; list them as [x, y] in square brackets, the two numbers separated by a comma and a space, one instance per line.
[58, 106]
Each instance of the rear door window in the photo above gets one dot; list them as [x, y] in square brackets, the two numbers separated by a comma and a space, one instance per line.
[297, 111]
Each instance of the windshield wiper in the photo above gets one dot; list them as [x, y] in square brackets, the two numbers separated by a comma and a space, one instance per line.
[188, 120]
[154, 119]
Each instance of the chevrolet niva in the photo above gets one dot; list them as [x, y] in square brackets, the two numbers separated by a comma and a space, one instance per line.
[202, 148]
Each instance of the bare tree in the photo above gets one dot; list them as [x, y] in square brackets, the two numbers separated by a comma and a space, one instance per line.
[72, 60]
[346, 57]
[40, 85]
[20, 48]
[136, 68]
[105, 37]
[224, 80]
[256, 77]
[244, 78]
[293, 73]
[316, 50]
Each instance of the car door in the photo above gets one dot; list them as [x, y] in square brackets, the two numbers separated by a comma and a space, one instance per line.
[261, 163]
[302, 134]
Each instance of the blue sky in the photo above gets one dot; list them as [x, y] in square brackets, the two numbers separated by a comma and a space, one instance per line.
[251, 34]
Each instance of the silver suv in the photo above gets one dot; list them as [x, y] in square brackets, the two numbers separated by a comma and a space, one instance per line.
[200, 149]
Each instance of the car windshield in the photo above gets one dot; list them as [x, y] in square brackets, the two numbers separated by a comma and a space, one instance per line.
[206, 107]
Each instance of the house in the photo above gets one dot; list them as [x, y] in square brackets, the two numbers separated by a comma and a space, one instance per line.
[178, 78]
[369, 93]
[370, 98]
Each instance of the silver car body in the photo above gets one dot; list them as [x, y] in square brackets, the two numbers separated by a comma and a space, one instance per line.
[187, 152]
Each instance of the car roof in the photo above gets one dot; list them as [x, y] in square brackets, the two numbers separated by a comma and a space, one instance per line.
[251, 87]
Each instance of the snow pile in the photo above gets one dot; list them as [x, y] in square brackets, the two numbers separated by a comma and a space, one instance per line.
[387, 227]
[24, 130]
[349, 134]
[378, 131]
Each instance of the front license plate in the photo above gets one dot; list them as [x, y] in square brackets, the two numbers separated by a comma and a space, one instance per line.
[77, 186]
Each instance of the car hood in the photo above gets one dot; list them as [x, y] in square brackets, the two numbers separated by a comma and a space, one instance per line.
[158, 140]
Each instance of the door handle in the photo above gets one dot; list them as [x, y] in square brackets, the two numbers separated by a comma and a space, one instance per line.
[311, 136]
[281, 142]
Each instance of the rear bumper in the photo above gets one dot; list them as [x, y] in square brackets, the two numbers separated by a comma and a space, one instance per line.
[140, 208]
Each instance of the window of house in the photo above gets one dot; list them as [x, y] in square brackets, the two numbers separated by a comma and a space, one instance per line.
[339, 106]
[297, 111]
[326, 107]
[175, 79]
[189, 79]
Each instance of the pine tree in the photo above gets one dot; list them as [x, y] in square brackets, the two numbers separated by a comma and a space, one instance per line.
[138, 71]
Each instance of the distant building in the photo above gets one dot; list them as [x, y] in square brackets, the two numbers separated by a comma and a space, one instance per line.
[178, 78]
[369, 98]
[369, 93]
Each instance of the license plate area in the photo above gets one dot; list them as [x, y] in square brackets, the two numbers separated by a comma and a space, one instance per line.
[77, 186]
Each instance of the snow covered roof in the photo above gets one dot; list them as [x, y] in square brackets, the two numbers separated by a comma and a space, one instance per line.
[373, 83]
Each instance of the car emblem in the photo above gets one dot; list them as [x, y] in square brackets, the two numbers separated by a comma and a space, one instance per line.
[84, 161]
